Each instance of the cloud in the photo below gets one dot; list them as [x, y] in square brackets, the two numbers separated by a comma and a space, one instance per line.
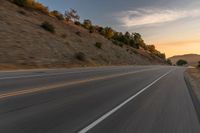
[153, 16]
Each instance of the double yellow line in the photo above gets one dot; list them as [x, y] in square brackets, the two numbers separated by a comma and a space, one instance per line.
[51, 87]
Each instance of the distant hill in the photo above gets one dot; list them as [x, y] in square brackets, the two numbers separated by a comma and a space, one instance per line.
[25, 44]
[192, 59]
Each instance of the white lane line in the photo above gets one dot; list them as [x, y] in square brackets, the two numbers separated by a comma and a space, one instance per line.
[96, 122]
[53, 74]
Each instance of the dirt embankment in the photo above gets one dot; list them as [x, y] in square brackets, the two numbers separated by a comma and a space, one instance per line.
[24, 44]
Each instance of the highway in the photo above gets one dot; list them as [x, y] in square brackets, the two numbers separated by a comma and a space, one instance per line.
[126, 99]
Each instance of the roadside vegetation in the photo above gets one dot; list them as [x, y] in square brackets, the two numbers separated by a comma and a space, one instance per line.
[48, 27]
[32, 4]
[98, 45]
[169, 62]
[181, 62]
[80, 56]
[133, 40]
[198, 64]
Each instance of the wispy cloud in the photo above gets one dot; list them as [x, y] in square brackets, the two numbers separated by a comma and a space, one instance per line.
[153, 16]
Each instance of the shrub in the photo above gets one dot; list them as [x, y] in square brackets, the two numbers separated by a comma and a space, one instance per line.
[40, 7]
[118, 43]
[92, 29]
[87, 23]
[63, 35]
[48, 27]
[77, 23]
[22, 12]
[78, 33]
[198, 63]
[169, 62]
[181, 62]
[57, 14]
[80, 56]
[108, 32]
[20, 2]
[32, 5]
[98, 45]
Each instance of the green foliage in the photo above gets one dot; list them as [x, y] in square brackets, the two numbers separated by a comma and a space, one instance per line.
[20, 2]
[98, 45]
[169, 61]
[181, 62]
[80, 56]
[151, 48]
[118, 43]
[48, 27]
[108, 32]
[87, 23]
[92, 29]
[57, 14]
[127, 38]
[77, 23]
[32, 4]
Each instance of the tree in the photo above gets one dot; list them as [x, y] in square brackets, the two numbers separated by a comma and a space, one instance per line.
[138, 39]
[71, 15]
[181, 62]
[169, 62]
[151, 48]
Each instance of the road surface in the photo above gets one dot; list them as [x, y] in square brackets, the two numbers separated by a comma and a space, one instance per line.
[127, 99]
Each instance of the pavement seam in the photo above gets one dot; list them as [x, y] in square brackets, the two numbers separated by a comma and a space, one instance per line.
[51, 87]
[103, 117]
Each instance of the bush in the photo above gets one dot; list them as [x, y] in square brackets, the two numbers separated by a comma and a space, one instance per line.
[118, 43]
[78, 33]
[32, 5]
[199, 64]
[20, 2]
[87, 23]
[80, 56]
[48, 27]
[181, 62]
[40, 7]
[57, 14]
[63, 35]
[77, 23]
[169, 62]
[98, 45]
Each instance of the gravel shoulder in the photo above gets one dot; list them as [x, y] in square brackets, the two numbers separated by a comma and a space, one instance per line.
[192, 78]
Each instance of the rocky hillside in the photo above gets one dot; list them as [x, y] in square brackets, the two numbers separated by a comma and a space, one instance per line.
[192, 59]
[25, 44]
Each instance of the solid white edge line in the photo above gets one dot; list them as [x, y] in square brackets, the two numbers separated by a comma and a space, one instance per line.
[96, 122]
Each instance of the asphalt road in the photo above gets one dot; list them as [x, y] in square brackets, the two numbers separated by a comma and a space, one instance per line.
[129, 99]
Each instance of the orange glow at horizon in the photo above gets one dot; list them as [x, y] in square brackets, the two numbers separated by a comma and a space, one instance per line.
[179, 47]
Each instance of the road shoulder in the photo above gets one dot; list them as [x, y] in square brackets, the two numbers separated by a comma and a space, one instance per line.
[192, 78]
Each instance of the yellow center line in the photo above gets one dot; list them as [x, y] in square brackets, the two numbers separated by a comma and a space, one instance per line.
[51, 87]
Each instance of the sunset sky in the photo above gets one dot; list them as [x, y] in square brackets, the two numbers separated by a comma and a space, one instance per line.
[172, 25]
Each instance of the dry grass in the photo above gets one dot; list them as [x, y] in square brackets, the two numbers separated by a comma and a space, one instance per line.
[25, 44]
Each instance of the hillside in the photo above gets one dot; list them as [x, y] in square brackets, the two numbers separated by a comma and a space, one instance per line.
[24, 44]
[192, 59]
